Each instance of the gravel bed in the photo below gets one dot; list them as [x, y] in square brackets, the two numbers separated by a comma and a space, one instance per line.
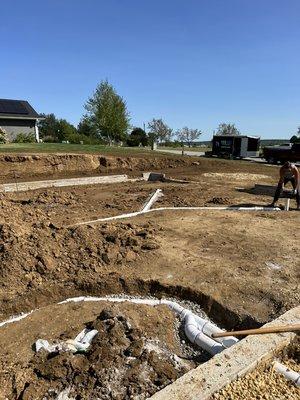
[264, 382]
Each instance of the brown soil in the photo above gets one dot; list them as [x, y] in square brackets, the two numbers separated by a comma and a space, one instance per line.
[242, 268]
[129, 358]
[264, 382]
[40, 166]
[29, 167]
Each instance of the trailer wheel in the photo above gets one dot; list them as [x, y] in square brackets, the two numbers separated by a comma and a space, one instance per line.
[271, 160]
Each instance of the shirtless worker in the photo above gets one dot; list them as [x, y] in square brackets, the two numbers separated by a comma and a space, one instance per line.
[288, 173]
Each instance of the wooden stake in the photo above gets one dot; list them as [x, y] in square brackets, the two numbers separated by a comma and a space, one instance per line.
[260, 331]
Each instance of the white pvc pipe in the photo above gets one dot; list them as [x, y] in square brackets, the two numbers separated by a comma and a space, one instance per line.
[287, 204]
[208, 328]
[289, 374]
[200, 339]
[208, 344]
[197, 329]
[16, 318]
[135, 214]
[154, 197]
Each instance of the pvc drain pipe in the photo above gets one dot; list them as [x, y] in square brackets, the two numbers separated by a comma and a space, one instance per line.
[198, 330]
[193, 324]
[193, 333]
[153, 198]
[204, 326]
[135, 214]
[208, 329]
[289, 374]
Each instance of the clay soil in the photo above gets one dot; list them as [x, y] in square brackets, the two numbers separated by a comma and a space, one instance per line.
[241, 267]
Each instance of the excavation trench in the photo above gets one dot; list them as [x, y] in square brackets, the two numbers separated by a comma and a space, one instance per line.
[164, 354]
[116, 284]
[140, 348]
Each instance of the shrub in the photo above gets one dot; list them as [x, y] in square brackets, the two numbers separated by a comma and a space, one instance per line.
[3, 136]
[24, 138]
[76, 138]
[50, 139]
[138, 136]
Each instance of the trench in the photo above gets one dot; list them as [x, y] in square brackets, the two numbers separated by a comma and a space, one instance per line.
[134, 290]
[115, 284]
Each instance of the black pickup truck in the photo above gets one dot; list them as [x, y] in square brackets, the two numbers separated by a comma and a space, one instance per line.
[273, 154]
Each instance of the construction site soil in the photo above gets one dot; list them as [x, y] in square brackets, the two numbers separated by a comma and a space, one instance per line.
[241, 267]
[136, 352]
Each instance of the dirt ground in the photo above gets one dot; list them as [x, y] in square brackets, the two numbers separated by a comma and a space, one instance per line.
[242, 267]
[129, 357]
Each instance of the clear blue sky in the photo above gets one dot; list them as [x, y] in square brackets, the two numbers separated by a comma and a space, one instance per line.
[192, 62]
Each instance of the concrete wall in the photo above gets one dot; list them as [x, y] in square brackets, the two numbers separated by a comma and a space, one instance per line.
[15, 126]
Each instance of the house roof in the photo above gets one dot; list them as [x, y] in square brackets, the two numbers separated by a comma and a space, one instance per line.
[19, 109]
[236, 136]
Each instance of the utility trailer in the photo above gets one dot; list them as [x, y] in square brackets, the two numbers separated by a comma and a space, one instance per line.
[235, 146]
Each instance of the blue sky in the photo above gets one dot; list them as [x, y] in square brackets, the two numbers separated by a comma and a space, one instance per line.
[193, 62]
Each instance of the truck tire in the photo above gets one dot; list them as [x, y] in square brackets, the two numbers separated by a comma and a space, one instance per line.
[271, 160]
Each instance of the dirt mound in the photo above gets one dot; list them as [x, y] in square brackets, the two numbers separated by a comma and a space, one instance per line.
[21, 166]
[33, 254]
[219, 200]
[132, 357]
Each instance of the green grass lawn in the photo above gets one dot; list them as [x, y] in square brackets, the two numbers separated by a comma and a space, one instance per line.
[34, 148]
[196, 149]
[71, 148]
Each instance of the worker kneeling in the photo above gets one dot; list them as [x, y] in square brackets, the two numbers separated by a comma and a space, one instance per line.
[288, 173]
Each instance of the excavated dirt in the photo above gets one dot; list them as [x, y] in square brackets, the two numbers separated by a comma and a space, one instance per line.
[27, 167]
[222, 254]
[264, 382]
[136, 352]
[37, 166]
[242, 268]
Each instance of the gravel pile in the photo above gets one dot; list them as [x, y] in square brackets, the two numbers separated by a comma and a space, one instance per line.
[264, 382]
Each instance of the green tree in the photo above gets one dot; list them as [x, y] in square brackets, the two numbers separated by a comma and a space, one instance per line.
[108, 113]
[227, 130]
[55, 130]
[188, 135]
[87, 127]
[65, 129]
[137, 136]
[159, 130]
[48, 127]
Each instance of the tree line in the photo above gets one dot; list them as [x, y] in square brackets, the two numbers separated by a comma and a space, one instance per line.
[107, 121]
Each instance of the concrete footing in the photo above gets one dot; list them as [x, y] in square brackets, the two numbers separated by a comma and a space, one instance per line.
[24, 186]
[159, 177]
[210, 377]
[154, 176]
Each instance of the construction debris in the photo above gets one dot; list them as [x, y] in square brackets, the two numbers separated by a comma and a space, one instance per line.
[80, 344]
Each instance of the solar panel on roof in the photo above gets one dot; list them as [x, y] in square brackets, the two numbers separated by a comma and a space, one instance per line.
[12, 107]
